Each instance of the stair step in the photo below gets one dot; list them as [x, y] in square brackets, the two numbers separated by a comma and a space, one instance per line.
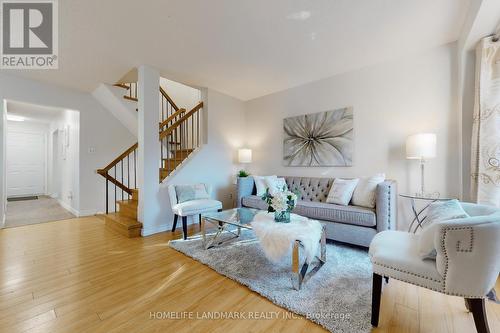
[128, 208]
[123, 225]
[130, 98]
[121, 85]
[182, 153]
[172, 163]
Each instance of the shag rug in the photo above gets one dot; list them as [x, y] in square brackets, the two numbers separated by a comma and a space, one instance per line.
[338, 296]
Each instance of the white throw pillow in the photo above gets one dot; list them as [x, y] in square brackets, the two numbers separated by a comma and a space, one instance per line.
[341, 191]
[437, 212]
[365, 193]
[276, 185]
[260, 183]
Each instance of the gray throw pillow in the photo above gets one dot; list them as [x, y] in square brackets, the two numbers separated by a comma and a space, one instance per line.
[437, 212]
[191, 192]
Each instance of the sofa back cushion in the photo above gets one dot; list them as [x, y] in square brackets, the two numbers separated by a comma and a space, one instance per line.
[310, 188]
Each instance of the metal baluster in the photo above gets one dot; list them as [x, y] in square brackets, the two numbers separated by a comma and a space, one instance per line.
[107, 199]
[122, 177]
[128, 173]
[115, 187]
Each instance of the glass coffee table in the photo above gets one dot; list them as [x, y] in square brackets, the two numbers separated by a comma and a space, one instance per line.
[242, 218]
[237, 217]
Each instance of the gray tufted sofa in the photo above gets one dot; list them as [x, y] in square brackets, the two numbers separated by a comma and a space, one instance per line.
[350, 224]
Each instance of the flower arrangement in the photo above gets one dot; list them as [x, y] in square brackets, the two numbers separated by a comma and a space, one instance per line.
[281, 204]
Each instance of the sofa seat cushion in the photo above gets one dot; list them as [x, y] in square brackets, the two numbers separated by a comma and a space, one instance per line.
[196, 207]
[395, 254]
[323, 211]
[254, 201]
[337, 213]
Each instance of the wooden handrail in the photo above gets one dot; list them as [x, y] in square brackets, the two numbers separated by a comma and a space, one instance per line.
[164, 93]
[106, 175]
[172, 117]
[170, 129]
[119, 158]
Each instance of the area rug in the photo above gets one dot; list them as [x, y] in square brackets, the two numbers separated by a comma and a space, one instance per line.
[338, 296]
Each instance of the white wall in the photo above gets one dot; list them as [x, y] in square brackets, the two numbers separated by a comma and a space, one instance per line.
[98, 129]
[182, 95]
[391, 101]
[66, 183]
[214, 162]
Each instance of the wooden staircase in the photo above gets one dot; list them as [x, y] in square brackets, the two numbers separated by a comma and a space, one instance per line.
[179, 133]
[125, 220]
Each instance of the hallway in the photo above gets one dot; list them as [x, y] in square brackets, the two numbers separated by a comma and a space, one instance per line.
[43, 209]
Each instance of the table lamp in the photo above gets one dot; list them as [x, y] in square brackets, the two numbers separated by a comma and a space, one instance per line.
[421, 147]
[244, 157]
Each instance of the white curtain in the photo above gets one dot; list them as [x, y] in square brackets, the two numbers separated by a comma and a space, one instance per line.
[485, 156]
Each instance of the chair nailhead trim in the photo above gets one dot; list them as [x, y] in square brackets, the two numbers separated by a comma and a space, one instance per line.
[406, 272]
[443, 248]
[427, 287]
[471, 244]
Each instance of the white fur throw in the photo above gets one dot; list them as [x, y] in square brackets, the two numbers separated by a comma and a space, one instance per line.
[276, 239]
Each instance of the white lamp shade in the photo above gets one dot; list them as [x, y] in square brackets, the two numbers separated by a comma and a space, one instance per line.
[421, 146]
[244, 155]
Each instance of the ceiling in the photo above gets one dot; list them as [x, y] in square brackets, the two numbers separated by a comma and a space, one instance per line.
[243, 48]
[33, 112]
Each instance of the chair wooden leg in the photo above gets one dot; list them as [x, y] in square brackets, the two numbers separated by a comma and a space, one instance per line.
[175, 222]
[184, 227]
[477, 307]
[199, 219]
[376, 293]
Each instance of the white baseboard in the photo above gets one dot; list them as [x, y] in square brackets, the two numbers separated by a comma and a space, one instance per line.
[166, 227]
[88, 212]
[68, 207]
[156, 229]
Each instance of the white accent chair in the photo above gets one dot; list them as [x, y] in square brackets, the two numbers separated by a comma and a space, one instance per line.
[467, 262]
[191, 208]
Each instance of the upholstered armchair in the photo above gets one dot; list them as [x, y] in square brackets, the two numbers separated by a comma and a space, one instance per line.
[191, 207]
[467, 262]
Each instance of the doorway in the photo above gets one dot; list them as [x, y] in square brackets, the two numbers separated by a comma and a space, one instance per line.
[42, 156]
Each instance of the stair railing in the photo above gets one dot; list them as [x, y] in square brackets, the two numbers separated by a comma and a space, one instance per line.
[180, 135]
[121, 176]
[179, 139]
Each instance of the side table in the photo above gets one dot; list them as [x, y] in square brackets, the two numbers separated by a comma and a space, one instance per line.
[419, 214]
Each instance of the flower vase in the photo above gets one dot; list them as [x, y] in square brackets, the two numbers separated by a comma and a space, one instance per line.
[282, 217]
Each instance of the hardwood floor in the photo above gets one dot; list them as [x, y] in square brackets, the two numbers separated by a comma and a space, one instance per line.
[77, 276]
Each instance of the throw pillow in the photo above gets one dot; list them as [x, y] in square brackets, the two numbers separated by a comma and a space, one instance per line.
[341, 191]
[260, 183]
[365, 193]
[191, 192]
[437, 212]
[276, 185]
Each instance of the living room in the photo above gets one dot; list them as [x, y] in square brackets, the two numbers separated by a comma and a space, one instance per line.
[255, 166]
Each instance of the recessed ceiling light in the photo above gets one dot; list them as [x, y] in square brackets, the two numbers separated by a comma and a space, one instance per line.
[14, 118]
[299, 16]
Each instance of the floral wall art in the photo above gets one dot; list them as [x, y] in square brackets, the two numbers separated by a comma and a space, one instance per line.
[319, 139]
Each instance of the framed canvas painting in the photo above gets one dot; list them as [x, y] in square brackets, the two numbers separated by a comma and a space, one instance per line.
[319, 139]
